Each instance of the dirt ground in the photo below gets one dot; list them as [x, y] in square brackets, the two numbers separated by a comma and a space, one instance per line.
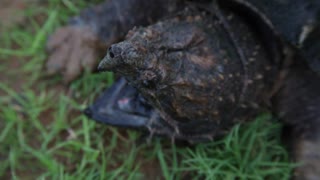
[10, 11]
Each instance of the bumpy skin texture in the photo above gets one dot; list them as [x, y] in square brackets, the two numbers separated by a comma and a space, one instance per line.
[190, 70]
[78, 46]
[198, 73]
[297, 21]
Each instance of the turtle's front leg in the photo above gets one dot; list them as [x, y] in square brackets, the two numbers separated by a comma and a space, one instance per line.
[299, 106]
[78, 45]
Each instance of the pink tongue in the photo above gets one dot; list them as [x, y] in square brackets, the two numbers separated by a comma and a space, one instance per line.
[124, 104]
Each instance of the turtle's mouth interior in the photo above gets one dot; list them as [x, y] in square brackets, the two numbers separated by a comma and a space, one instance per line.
[120, 105]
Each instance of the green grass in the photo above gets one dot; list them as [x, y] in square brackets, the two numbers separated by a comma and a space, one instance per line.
[43, 134]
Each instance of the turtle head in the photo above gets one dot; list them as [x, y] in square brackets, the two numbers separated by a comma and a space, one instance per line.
[163, 61]
[151, 56]
[124, 58]
[136, 58]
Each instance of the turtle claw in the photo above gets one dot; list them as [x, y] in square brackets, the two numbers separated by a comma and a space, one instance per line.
[71, 50]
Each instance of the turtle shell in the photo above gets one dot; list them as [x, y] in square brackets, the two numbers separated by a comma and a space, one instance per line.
[296, 21]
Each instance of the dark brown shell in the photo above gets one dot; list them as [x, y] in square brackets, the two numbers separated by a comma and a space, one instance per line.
[295, 21]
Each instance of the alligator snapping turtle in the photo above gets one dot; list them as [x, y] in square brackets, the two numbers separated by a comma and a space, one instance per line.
[199, 71]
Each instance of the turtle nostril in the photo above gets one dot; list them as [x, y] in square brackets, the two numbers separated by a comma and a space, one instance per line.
[111, 54]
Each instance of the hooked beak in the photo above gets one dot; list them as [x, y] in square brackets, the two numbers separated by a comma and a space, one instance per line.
[112, 58]
[103, 65]
[106, 64]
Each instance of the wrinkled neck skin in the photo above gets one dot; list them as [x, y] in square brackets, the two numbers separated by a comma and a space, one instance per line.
[191, 70]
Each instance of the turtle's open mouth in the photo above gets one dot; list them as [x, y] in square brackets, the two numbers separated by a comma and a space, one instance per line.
[122, 106]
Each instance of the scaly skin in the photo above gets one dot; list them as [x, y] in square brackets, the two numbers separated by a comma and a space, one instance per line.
[190, 70]
[78, 46]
